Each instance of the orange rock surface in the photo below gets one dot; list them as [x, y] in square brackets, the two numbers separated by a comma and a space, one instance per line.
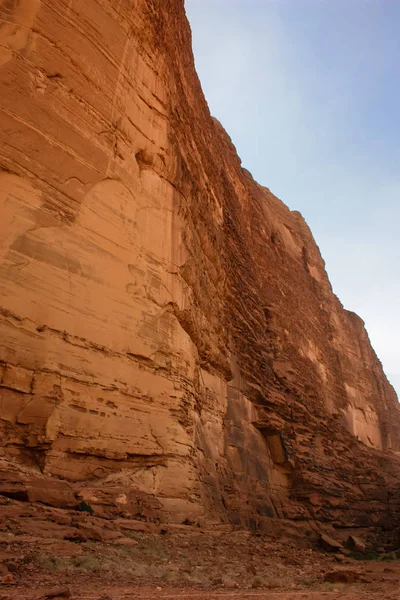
[168, 330]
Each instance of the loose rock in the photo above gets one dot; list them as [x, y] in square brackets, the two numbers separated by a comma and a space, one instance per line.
[354, 543]
[342, 576]
[57, 593]
[329, 544]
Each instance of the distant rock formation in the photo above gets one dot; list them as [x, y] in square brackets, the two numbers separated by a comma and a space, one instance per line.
[167, 324]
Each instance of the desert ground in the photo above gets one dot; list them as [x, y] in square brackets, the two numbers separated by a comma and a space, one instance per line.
[183, 562]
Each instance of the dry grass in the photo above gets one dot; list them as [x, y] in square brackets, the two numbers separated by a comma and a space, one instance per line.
[203, 562]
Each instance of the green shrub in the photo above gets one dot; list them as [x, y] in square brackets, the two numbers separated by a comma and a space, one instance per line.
[85, 507]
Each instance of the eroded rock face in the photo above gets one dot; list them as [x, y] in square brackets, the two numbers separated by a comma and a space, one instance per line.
[167, 324]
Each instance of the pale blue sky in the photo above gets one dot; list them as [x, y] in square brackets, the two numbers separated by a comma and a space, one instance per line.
[309, 91]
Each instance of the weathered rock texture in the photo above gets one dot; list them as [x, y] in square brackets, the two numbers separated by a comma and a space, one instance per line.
[167, 324]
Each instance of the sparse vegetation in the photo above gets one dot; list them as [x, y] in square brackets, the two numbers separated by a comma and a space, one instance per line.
[87, 562]
[54, 563]
[257, 582]
[369, 555]
[307, 581]
[85, 507]
[199, 561]
[374, 555]
[331, 587]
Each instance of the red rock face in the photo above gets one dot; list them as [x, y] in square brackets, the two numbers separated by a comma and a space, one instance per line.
[168, 327]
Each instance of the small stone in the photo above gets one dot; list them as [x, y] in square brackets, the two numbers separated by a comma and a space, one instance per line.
[125, 541]
[342, 576]
[12, 567]
[158, 588]
[57, 593]
[329, 544]
[8, 579]
[339, 557]
[354, 543]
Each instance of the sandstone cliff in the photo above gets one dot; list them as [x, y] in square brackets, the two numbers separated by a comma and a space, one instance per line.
[167, 324]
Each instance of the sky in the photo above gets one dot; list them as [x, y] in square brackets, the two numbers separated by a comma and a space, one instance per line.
[309, 91]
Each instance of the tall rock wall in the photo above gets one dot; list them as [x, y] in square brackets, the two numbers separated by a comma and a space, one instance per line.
[167, 324]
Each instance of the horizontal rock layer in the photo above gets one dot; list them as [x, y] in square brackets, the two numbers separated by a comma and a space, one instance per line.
[168, 327]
